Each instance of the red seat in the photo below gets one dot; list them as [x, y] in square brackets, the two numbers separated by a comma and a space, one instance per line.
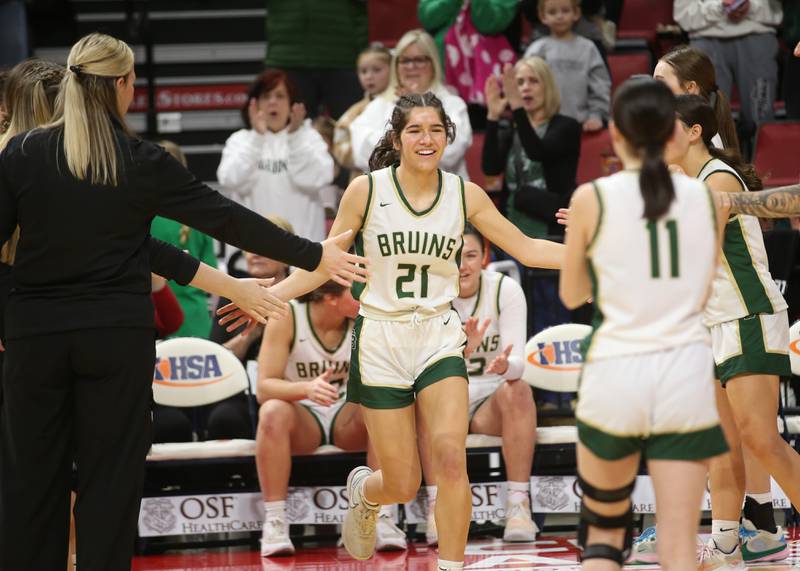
[624, 65]
[597, 156]
[474, 157]
[640, 19]
[775, 154]
[390, 19]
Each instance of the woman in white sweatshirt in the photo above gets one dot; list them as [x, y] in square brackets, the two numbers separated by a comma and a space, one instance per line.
[279, 164]
[415, 69]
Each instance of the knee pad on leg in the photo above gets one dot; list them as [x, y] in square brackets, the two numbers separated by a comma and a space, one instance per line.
[588, 518]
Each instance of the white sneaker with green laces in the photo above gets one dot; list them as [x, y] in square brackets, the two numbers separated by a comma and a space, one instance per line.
[360, 521]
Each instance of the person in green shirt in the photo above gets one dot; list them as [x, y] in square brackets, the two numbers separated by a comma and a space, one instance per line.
[194, 302]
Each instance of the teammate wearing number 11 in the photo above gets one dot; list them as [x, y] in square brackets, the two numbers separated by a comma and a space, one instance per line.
[407, 362]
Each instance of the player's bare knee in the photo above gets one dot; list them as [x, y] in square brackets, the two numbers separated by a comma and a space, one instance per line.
[275, 415]
[402, 487]
[760, 440]
[449, 460]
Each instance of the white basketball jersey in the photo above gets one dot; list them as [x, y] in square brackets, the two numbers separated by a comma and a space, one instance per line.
[742, 285]
[414, 256]
[485, 304]
[650, 279]
[309, 358]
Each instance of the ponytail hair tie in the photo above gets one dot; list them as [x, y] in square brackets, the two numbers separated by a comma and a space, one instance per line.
[712, 98]
[76, 69]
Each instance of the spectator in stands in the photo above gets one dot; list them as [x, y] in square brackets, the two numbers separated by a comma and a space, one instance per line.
[689, 70]
[740, 38]
[580, 73]
[316, 42]
[499, 403]
[791, 69]
[490, 18]
[278, 163]
[415, 69]
[302, 372]
[13, 32]
[592, 24]
[374, 64]
[538, 156]
[194, 302]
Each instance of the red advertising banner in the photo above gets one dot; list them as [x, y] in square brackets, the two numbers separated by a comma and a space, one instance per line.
[192, 97]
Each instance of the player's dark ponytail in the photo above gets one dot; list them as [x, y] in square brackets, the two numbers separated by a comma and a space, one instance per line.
[385, 154]
[644, 113]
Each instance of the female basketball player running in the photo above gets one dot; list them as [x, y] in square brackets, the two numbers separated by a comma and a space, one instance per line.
[407, 359]
[499, 404]
[644, 245]
[750, 335]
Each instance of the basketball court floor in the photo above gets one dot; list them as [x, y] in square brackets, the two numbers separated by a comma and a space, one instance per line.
[552, 553]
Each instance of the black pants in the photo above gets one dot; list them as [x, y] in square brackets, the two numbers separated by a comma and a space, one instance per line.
[84, 395]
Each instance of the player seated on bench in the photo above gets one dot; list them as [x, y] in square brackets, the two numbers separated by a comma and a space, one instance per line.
[302, 372]
[494, 311]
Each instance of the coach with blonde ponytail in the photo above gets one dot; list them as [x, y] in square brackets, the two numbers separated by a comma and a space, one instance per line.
[79, 349]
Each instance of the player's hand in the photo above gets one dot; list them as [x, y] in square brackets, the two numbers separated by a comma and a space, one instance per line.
[297, 114]
[499, 364]
[258, 117]
[474, 334]
[562, 216]
[797, 50]
[321, 391]
[344, 268]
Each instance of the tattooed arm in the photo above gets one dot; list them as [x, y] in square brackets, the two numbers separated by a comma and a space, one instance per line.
[780, 202]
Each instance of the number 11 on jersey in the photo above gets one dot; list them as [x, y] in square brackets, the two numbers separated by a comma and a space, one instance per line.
[655, 263]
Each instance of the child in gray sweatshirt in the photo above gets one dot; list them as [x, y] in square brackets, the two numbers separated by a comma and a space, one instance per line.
[576, 63]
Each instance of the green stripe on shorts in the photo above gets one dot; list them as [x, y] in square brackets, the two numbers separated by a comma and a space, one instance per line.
[696, 445]
[754, 359]
[365, 395]
[448, 367]
[608, 446]
[322, 440]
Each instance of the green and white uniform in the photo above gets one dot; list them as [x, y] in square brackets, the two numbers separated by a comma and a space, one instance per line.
[407, 336]
[746, 311]
[309, 358]
[502, 301]
[647, 383]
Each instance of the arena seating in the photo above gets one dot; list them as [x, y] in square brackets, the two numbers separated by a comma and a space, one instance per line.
[775, 153]
[390, 19]
[623, 65]
[641, 20]
[597, 156]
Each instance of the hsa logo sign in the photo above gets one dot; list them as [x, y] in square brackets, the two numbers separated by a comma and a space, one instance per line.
[558, 355]
[188, 370]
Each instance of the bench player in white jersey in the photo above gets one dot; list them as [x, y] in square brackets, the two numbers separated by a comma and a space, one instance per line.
[499, 404]
[303, 366]
[750, 332]
[407, 217]
[643, 243]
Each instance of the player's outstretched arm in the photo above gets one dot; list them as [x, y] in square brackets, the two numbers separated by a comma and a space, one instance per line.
[482, 214]
[575, 285]
[780, 202]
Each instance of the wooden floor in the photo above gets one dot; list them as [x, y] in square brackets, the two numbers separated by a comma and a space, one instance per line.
[550, 553]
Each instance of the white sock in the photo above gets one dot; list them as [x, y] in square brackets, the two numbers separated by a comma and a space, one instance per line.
[518, 492]
[387, 511]
[276, 509]
[431, 490]
[444, 565]
[765, 498]
[726, 534]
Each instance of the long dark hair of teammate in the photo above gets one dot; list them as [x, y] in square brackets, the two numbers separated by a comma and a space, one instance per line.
[694, 110]
[644, 113]
[385, 154]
